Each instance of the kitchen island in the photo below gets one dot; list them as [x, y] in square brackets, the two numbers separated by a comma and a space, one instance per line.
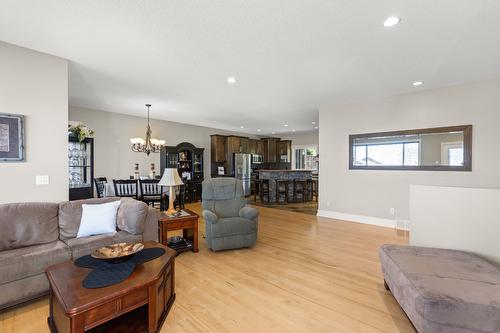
[290, 175]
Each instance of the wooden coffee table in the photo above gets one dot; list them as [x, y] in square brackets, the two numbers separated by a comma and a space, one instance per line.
[184, 223]
[138, 304]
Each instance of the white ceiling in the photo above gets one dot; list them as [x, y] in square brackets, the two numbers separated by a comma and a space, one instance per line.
[289, 57]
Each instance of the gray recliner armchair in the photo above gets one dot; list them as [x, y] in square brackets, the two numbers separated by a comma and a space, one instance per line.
[229, 224]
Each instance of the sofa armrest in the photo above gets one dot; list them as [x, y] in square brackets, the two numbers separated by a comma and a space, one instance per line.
[209, 216]
[151, 225]
[249, 213]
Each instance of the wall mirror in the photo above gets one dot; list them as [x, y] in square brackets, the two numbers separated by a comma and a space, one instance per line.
[438, 149]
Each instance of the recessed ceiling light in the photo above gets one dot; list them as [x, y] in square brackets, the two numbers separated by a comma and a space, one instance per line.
[316, 127]
[258, 129]
[231, 80]
[293, 130]
[286, 125]
[313, 122]
[273, 132]
[418, 83]
[391, 21]
[242, 127]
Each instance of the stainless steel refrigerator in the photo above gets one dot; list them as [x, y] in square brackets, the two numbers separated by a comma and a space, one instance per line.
[243, 170]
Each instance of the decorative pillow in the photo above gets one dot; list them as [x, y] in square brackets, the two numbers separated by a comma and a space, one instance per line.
[98, 219]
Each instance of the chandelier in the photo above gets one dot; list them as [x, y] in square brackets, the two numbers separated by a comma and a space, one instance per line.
[139, 145]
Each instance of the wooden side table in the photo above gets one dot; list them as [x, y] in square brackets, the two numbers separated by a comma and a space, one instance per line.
[184, 223]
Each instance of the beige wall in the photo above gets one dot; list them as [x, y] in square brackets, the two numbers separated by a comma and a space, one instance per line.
[302, 138]
[35, 85]
[456, 218]
[114, 157]
[372, 193]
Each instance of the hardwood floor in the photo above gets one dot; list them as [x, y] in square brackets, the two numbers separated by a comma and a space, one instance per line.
[305, 274]
[309, 207]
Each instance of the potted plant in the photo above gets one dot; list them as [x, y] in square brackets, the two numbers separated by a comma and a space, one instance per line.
[76, 128]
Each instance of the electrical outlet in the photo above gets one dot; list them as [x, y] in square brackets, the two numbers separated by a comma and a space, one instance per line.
[328, 204]
[392, 211]
[42, 180]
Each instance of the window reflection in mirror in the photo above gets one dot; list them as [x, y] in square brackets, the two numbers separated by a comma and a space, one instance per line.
[446, 148]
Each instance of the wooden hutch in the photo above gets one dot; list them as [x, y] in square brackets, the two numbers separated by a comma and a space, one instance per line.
[189, 162]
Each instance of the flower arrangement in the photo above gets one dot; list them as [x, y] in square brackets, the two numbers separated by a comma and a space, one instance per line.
[80, 130]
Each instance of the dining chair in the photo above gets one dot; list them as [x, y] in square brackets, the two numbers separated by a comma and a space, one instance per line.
[100, 184]
[125, 188]
[181, 197]
[151, 192]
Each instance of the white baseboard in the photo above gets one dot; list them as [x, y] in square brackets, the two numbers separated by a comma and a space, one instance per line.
[381, 222]
[403, 225]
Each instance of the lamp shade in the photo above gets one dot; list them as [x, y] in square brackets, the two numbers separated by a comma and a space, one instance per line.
[170, 178]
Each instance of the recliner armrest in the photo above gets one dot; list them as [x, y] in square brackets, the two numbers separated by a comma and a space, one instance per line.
[249, 213]
[209, 216]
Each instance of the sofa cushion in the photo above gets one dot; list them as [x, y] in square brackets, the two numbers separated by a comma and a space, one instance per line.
[443, 290]
[233, 226]
[26, 224]
[32, 260]
[83, 246]
[98, 219]
[70, 214]
[131, 216]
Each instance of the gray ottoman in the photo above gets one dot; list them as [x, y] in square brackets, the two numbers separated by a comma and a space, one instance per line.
[443, 291]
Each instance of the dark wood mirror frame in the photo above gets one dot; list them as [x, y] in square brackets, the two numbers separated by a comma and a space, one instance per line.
[467, 166]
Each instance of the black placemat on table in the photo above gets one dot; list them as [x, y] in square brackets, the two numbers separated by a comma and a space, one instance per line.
[106, 274]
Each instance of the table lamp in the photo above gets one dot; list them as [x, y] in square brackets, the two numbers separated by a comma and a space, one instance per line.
[170, 178]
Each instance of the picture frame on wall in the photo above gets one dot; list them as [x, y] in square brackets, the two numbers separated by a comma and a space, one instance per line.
[11, 137]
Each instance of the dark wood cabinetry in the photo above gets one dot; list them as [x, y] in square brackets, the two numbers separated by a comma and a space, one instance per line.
[237, 144]
[284, 151]
[273, 150]
[270, 153]
[218, 148]
[259, 147]
[252, 146]
[189, 162]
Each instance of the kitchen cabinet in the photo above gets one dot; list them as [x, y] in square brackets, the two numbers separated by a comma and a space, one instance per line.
[244, 145]
[284, 151]
[270, 153]
[237, 144]
[252, 146]
[259, 147]
[218, 148]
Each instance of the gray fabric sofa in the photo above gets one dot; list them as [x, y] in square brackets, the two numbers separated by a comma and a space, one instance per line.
[36, 235]
[444, 291]
[229, 224]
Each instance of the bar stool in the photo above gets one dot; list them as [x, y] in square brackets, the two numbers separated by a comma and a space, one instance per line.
[254, 188]
[312, 190]
[282, 190]
[299, 187]
[264, 190]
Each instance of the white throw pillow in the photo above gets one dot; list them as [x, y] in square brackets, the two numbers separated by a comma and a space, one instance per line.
[98, 219]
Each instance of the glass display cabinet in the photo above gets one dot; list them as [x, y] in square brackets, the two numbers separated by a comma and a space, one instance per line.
[81, 168]
[189, 163]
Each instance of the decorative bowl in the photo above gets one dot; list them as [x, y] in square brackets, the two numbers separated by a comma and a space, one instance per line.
[118, 252]
[174, 239]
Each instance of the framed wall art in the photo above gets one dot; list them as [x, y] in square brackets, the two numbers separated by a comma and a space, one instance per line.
[11, 137]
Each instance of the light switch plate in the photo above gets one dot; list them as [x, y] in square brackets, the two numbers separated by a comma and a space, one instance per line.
[42, 180]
